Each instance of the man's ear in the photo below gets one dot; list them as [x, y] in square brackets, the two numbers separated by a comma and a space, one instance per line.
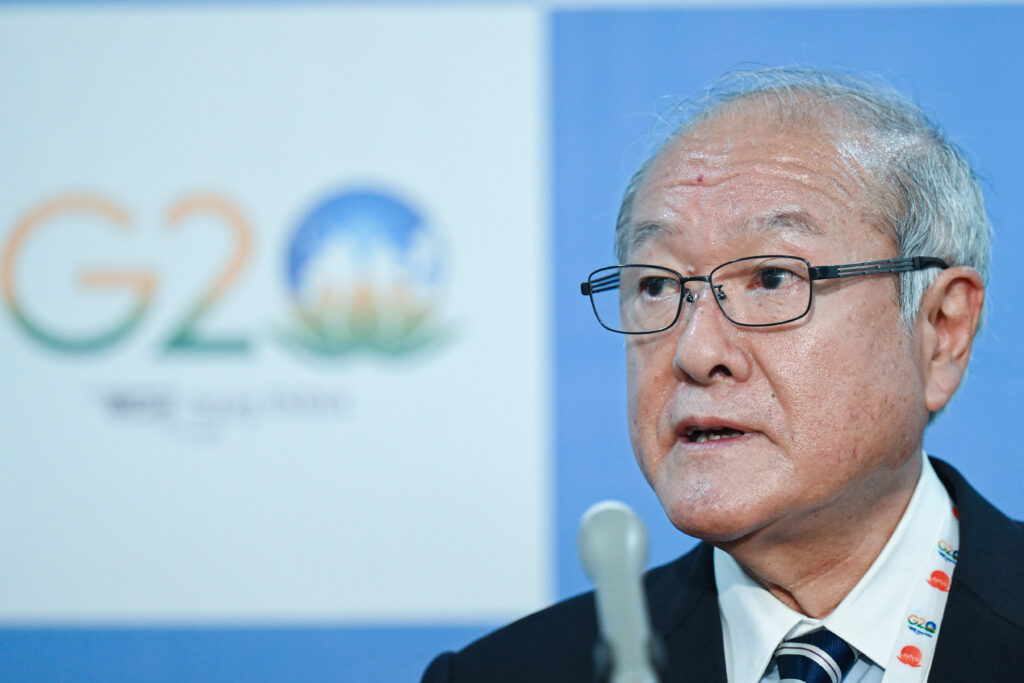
[949, 317]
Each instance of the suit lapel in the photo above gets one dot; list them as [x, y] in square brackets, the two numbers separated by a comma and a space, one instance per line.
[684, 615]
[982, 631]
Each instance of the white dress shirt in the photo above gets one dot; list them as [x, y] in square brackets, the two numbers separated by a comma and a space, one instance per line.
[869, 618]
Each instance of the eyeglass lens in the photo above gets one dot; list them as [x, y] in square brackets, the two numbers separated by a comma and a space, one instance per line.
[759, 290]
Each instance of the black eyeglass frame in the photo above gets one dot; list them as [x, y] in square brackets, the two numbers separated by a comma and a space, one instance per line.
[897, 265]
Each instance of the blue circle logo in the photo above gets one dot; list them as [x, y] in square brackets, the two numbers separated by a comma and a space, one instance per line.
[363, 271]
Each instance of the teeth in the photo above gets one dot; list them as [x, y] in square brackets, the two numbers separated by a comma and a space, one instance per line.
[703, 435]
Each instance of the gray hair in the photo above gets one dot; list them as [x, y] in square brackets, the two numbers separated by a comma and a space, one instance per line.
[927, 196]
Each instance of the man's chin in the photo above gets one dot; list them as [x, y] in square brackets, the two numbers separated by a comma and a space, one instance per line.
[717, 526]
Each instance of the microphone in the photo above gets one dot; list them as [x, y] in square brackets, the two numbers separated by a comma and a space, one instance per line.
[612, 544]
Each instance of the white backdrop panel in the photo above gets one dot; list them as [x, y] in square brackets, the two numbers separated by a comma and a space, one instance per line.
[266, 480]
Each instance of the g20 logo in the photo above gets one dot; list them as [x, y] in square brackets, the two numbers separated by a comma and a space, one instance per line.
[142, 283]
[362, 271]
[364, 274]
[921, 626]
[948, 552]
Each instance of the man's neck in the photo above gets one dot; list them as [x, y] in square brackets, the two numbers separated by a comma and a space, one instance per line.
[813, 567]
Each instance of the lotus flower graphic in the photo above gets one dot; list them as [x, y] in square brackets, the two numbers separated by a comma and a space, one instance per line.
[363, 274]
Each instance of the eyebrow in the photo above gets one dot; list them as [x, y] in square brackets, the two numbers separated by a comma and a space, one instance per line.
[643, 233]
[773, 222]
[785, 220]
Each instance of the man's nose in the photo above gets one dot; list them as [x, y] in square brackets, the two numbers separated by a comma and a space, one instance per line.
[707, 348]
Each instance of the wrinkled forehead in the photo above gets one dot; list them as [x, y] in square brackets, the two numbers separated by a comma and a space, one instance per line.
[799, 130]
[767, 170]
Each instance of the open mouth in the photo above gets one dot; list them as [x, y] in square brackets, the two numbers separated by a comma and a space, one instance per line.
[694, 435]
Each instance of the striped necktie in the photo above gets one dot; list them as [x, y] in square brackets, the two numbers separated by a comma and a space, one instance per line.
[816, 657]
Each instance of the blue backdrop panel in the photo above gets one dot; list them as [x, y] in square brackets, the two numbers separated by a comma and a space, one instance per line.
[92, 655]
[614, 71]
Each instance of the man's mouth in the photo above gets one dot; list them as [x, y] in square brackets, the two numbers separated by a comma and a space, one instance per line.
[695, 435]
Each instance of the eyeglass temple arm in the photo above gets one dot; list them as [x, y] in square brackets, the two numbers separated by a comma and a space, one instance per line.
[599, 284]
[896, 265]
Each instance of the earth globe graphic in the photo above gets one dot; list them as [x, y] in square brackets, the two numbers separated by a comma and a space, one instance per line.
[363, 271]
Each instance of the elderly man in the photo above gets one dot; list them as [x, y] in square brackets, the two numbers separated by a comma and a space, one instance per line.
[802, 272]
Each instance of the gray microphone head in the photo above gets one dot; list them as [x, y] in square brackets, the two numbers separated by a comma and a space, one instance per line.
[612, 544]
[611, 538]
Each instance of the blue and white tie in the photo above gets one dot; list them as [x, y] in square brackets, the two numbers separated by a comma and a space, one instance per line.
[816, 657]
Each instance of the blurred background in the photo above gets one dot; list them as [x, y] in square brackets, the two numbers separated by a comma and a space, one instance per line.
[296, 382]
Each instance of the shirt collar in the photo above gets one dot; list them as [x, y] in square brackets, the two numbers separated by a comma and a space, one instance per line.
[869, 618]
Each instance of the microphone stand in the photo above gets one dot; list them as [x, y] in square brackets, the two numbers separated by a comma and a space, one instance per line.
[612, 544]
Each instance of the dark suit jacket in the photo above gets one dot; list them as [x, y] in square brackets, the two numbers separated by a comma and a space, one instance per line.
[981, 636]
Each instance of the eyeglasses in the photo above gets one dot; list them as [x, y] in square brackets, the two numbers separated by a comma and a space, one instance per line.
[755, 291]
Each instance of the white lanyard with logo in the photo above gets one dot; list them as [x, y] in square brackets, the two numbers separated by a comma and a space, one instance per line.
[915, 647]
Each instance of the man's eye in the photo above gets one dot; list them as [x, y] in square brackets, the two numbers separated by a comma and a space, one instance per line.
[774, 278]
[656, 287]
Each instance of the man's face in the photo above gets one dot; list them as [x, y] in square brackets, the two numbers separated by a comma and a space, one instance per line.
[773, 430]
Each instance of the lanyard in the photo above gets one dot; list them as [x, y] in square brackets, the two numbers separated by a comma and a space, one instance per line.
[915, 646]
